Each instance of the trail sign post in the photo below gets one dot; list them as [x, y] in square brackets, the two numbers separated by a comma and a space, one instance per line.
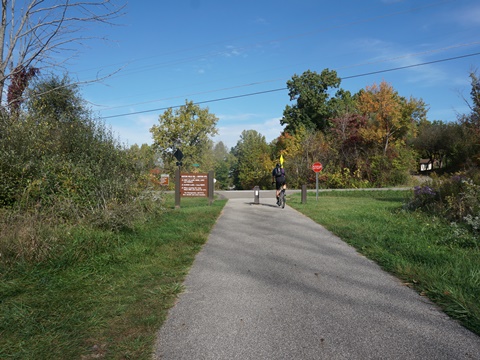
[317, 167]
[179, 156]
[194, 185]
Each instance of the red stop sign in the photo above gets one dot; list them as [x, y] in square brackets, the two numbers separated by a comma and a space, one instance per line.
[317, 167]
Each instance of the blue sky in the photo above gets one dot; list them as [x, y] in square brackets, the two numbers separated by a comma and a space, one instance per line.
[164, 52]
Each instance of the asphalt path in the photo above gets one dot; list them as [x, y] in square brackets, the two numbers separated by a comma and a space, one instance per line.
[272, 284]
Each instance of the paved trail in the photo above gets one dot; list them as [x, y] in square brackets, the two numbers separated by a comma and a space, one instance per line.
[272, 284]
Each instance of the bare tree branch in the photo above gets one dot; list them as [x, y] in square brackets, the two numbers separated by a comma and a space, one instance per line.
[46, 28]
[97, 79]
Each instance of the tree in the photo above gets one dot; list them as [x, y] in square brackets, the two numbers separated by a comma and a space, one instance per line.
[310, 91]
[390, 117]
[57, 108]
[343, 103]
[32, 31]
[471, 123]
[253, 165]
[224, 161]
[435, 141]
[474, 118]
[56, 98]
[347, 139]
[187, 128]
[144, 157]
[300, 150]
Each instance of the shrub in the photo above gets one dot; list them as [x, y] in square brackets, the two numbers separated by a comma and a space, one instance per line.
[424, 197]
[61, 166]
[56, 150]
[344, 179]
[455, 198]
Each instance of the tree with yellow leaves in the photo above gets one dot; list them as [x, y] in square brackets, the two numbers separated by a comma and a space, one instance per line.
[391, 118]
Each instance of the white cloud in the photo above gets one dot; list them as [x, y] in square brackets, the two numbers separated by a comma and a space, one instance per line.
[231, 51]
[382, 54]
[467, 16]
[234, 51]
[147, 120]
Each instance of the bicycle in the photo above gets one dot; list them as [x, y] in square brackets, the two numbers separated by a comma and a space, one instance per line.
[282, 198]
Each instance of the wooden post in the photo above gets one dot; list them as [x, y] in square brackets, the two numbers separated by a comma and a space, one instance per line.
[211, 186]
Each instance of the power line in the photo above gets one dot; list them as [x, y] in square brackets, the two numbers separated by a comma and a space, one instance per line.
[280, 39]
[186, 96]
[341, 16]
[195, 103]
[411, 66]
[193, 94]
[284, 88]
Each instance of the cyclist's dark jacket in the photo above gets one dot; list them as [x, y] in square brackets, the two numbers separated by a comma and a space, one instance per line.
[279, 178]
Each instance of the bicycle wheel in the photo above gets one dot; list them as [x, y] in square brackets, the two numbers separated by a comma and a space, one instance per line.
[283, 200]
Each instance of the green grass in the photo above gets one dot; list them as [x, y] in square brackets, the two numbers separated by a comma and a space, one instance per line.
[413, 246]
[106, 295]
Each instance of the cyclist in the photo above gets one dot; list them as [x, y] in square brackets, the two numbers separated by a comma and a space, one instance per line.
[278, 178]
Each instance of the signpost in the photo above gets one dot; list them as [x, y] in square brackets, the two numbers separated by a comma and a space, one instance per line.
[179, 156]
[317, 167]
[194, 185]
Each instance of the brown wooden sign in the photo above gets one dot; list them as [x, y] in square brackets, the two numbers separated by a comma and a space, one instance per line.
[194, 185]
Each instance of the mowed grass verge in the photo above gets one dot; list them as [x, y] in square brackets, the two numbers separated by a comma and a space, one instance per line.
[107, 294]
[417, 248]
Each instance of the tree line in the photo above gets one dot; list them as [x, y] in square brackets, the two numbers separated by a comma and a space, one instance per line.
[373, 138]
[53, 146]
[61, 165]
[56, 154]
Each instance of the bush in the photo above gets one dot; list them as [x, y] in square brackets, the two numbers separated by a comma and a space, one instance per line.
[424, 197]
[56, 150]
[344, 179]
[454, 198]
[60, 166]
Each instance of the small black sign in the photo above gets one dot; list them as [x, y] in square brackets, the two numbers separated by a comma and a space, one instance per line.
[178, 155]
